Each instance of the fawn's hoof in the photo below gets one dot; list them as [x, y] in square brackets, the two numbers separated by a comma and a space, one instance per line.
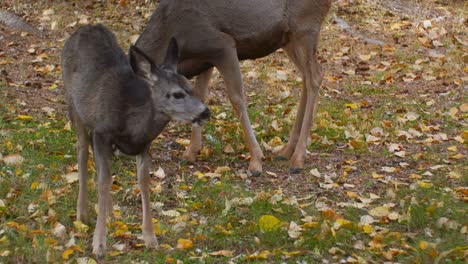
[99, 250]
[190, 155]
[281, 157]
[255, 173]
[295, 170]
[151, 242]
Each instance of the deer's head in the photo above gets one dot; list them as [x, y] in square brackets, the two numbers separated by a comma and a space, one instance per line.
[171, 92]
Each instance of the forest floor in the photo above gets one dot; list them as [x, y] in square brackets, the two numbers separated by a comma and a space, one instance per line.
[386, 172]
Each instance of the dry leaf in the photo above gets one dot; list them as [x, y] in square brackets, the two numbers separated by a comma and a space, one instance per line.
[228, 149]
[269, 223]
[294, 230]
[184, 243]
[71, 177]
[224, 253]
[379, 211]
[160, 173]
[14, 159]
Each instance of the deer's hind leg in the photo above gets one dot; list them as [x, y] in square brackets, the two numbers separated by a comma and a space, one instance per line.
[82, 145]
[200, 90]
[287, 151]
[302, 51]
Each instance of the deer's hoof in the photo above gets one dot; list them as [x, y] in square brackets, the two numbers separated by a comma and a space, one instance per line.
[255, 173]
[281, 157]
[295, 170]
[83, 217]
[99, 250]
[189, 155]
[151, 242]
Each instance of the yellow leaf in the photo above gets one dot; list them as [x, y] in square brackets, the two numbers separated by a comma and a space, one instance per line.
[453, 148]
[342, 223]
[425, 185]
[224, 253]
[66, 254]
[34, 185]
[379, 211]
[352, 106]
[262, 255]
[464, 134]
[291, 254]
[67, 127]
[423, 245]
[199, 174]
[24, 117]
[454, 175]
[367, 229]
[184, 243]
[269, 223]
[80, 227]
[375, 175]
[310, 225]
[183, 142]
[114, 253]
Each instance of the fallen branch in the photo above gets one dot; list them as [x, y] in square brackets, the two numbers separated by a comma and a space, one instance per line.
[346, 27]
[15, 22]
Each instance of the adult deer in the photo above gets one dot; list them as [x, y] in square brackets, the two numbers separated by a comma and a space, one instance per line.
[219, 33]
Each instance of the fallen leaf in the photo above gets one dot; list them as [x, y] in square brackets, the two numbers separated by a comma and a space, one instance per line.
[379, 211]
[315, 172]
[71, 177]
[224, 253]
[294, 230]
[269, 223]
[80, 227]
[14, 159]
[160, 173]
[59, 231]
[184, 243]
[425, 185]
[170, 213]
[85, 260]
[228, 149]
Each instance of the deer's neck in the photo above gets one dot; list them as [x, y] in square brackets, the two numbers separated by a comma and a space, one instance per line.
[143, 124]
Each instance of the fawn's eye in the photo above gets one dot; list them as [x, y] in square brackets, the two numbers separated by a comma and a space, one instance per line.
[178, 95]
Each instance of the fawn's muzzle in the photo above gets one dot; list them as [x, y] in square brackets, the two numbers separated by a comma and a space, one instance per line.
[203, 116]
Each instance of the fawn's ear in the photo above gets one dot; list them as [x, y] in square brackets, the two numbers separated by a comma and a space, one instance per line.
[141, 63]
[172, 56]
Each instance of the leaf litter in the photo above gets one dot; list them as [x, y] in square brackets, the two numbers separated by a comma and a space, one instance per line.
[385, 165]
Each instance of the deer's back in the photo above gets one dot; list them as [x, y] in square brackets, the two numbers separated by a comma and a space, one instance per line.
[258, 27]
[94, 69]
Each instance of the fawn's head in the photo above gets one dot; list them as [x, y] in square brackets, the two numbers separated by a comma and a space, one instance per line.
[171, 92]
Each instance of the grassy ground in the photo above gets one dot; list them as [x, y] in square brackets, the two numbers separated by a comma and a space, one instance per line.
[385, 179]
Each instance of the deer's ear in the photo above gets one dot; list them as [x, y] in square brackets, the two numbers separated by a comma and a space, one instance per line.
[172, 55]
[141, 64]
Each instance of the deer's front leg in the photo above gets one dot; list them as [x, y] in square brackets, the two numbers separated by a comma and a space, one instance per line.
[200, 90]
[143, 167]
[228, 66]
[102, 157]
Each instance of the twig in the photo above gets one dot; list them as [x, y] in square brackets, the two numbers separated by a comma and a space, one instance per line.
[346, 27]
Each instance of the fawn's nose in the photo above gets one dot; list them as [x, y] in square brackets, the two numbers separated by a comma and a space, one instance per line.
[205, 114]
[201, 117]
